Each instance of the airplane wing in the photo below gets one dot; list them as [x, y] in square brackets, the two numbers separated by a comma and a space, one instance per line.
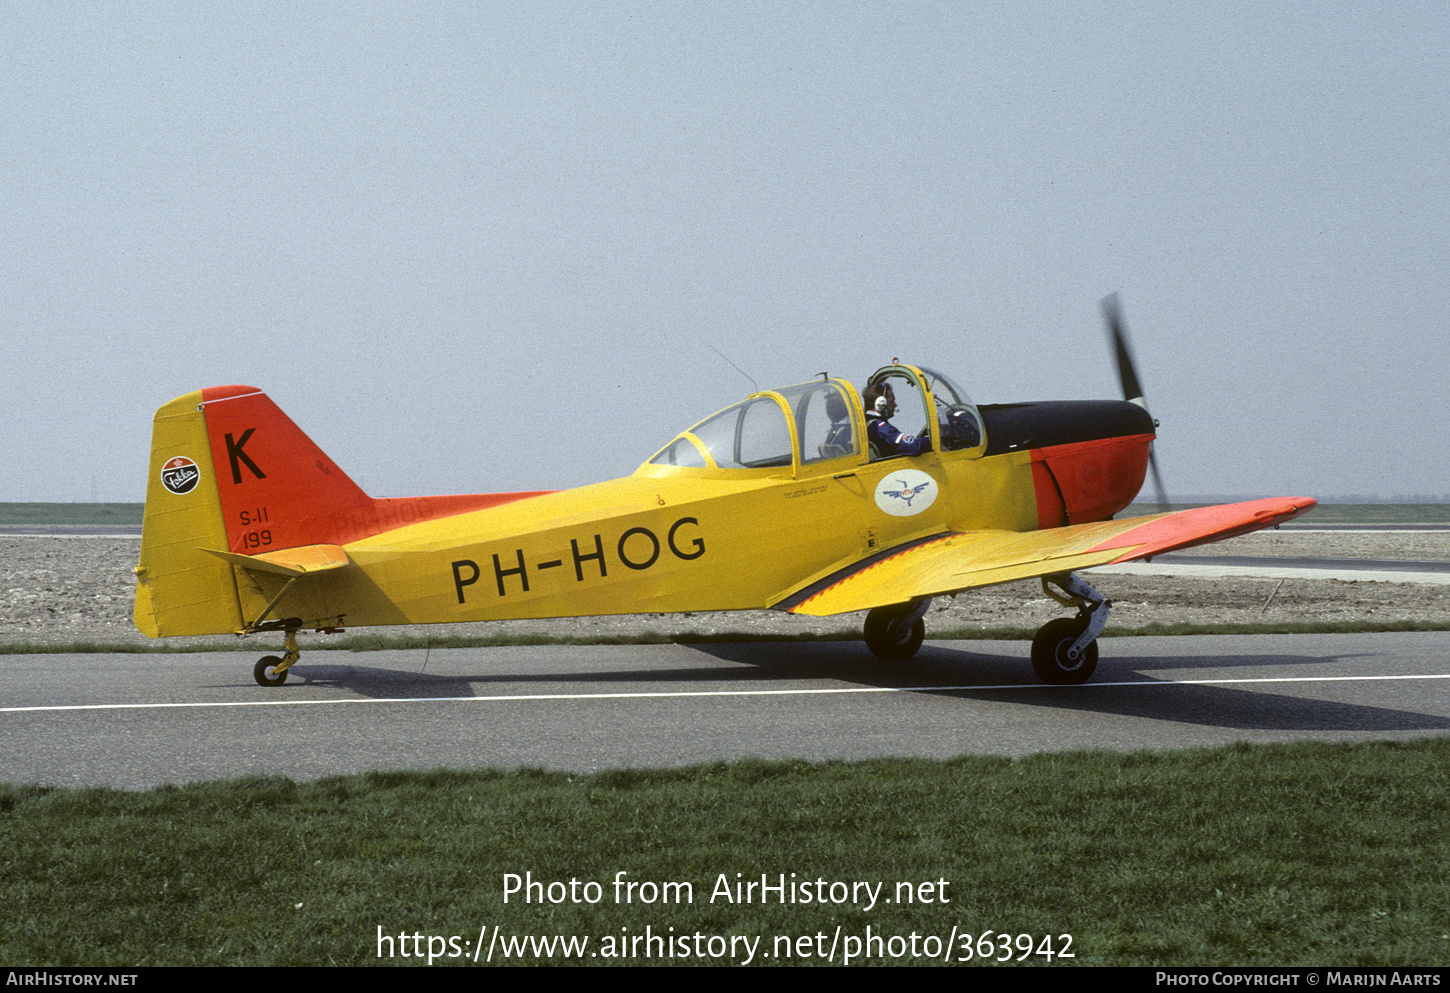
[957, 561]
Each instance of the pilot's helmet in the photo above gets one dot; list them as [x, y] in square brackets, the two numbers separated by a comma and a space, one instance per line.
[836, 407]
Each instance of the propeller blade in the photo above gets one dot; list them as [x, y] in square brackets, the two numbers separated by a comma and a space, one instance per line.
[1128, 377]
[1158, 489]
[1127, 371]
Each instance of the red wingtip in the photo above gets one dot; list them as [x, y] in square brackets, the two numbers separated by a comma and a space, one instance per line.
[1203, 525]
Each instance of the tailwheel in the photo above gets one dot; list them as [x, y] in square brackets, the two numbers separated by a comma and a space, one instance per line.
[1052, 657]
[896, 632]
[265, 671]
[271, 670]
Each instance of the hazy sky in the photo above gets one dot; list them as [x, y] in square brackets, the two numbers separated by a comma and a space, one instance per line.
[486, 246]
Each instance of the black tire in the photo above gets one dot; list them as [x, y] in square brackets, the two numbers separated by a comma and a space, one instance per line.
[264, 672]
[1049, 653]
[886, 645]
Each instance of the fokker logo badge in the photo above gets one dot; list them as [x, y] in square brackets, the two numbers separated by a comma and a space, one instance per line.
[180, 475]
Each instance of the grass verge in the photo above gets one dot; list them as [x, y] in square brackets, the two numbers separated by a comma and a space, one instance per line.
[372, 643]
[1299, 854]
[72, 514]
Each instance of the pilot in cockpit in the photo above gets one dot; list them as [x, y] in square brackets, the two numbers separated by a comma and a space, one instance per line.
[885, 440]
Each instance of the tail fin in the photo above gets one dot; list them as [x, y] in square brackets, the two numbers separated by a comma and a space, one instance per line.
[231, 473]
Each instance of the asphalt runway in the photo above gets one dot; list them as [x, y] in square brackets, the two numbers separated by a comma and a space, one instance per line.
[136, 721]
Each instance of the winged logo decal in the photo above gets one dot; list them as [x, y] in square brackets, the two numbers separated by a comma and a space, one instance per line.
[906, 493]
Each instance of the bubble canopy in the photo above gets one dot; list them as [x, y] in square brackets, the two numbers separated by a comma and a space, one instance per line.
[816, 422]
[804, 424]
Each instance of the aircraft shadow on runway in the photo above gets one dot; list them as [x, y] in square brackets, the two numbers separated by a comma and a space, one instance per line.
[1221, 706]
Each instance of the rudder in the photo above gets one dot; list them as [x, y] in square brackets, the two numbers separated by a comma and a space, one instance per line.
[276, 487]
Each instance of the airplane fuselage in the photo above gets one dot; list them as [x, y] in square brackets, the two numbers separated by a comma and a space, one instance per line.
[670, 539]
[275, 533]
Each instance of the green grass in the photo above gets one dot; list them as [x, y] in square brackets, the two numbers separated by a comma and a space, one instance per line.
[1379, 513]
[124, 514]
[405, 642]
[1301, 854]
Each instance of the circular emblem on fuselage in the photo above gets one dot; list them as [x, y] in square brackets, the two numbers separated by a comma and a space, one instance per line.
[905, 492]
[180, 474]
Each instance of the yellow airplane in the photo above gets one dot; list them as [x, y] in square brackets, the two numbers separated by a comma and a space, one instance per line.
[803, 499]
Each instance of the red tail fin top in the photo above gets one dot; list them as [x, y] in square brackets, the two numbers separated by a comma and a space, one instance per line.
[279, 490]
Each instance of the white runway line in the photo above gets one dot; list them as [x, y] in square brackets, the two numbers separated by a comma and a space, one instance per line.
[669, 694]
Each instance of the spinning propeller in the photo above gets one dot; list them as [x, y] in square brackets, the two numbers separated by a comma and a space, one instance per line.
[1128, 376]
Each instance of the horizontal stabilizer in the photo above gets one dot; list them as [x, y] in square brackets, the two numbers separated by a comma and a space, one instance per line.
[290, 561]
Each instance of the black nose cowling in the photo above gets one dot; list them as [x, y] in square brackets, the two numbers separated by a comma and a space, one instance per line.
[1012, 427]
[1089, 457]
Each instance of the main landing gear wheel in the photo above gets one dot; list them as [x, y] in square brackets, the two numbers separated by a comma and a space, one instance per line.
[1049, 653]
[265, 671]
[888, 638]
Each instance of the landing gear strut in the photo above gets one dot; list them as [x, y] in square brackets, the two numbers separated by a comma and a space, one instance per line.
[896, 632]
[1065, 651]
[272, 671]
